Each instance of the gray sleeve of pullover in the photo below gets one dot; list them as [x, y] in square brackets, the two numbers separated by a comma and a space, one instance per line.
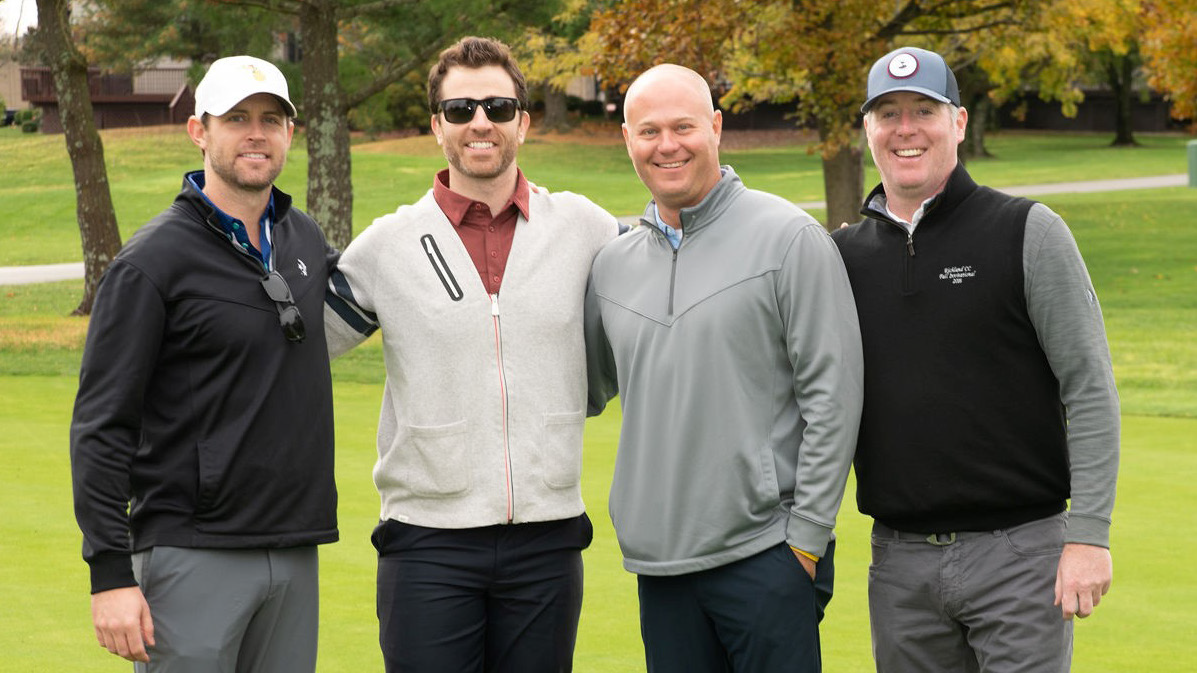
[1067, 317]
[822, 335]
[601, 380]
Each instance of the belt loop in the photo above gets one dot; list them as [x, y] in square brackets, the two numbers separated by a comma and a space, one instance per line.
[941, 539]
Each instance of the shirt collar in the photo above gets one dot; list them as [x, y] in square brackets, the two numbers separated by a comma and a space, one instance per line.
[455, 206]
[237, 233]
[196, 178]
[673, 235]
[914, 218]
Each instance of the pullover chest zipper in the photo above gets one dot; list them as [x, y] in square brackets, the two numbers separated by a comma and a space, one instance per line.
[673, 262]
[907, 259]
[672, 280]
[494, 313]
[908, 263]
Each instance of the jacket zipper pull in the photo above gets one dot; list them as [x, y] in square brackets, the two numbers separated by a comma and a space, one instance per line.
[494, 305]
[910, 243]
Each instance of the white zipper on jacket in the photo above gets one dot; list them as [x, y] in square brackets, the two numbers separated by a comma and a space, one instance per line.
[494, 312]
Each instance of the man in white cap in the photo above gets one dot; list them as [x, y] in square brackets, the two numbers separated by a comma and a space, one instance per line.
[200, 497]
[988, 447]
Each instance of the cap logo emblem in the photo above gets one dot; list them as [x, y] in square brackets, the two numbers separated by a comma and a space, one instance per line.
[257, 74]
[903, 65]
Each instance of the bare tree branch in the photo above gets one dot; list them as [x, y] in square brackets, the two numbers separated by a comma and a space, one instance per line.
[899, 23]
[373, 7]
[967, 11]
[957, 31]
[392, 72]
[281, 6]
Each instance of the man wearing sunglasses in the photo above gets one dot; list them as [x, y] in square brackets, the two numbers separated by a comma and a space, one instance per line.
[478, 290]
[200, 497]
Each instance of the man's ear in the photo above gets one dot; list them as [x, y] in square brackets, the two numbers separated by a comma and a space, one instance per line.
[197, 132]
[525, 124]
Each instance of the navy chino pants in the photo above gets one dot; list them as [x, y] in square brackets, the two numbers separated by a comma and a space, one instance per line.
[498, 599]
[758, 614]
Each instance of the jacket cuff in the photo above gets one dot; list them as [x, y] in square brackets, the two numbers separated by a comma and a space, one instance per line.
[111, 571]
[1084, 529]
[805, 535]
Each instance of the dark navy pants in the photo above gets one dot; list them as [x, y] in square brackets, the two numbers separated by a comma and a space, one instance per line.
[499, 599]
[758, 614]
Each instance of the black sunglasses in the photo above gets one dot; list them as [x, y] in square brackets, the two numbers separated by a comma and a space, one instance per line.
[288, 313]
[461, 110]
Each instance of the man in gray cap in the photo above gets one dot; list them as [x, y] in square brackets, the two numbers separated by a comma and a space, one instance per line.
[989, 400]
[200, 498]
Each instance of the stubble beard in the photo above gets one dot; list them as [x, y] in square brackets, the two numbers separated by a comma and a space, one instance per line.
[227, 172]
[484, 172]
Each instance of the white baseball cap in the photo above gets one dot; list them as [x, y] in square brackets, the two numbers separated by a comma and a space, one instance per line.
[232, 79]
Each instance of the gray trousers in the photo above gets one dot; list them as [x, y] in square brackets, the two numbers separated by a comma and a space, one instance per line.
[230, 611]
[969, 602]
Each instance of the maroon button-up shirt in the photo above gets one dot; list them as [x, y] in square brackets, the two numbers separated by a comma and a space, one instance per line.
[486, 237]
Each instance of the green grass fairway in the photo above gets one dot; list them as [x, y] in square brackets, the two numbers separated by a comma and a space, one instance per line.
[1139, 247]
[146, 166]
[1143, 625]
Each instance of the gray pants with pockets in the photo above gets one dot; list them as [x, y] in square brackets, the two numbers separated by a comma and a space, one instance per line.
[230, 611]
[978, 602]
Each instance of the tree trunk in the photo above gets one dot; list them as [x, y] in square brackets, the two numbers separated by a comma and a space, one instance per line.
[330, 188]
[974, 95]
[93, 201]
[843, 185]
[555, 117]
[1120, 70]
[979, 110]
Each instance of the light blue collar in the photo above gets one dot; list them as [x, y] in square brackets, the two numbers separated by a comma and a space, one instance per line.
[672, 234]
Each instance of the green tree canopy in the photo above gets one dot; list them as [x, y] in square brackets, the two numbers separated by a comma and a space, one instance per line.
[1169, 44]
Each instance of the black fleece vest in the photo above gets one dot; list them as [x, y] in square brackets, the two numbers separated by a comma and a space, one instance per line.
[963, 428]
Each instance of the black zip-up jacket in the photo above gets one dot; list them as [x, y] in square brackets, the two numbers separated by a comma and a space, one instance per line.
[197, 423]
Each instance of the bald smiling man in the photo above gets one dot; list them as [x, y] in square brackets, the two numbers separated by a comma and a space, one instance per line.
[726, 324]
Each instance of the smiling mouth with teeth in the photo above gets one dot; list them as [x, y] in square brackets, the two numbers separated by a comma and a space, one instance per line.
[673, 164]
[909, 153]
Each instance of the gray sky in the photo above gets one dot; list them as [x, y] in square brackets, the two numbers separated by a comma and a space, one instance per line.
[11, 9]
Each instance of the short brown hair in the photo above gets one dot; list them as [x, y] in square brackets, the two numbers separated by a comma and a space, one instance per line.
[475, 52]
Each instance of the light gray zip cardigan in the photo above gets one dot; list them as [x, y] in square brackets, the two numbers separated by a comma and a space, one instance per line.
[485, 398]
[739, 369]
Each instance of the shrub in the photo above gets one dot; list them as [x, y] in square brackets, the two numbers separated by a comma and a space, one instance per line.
[30, 120]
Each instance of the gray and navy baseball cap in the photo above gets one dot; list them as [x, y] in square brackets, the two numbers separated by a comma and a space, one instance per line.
[912, 69]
